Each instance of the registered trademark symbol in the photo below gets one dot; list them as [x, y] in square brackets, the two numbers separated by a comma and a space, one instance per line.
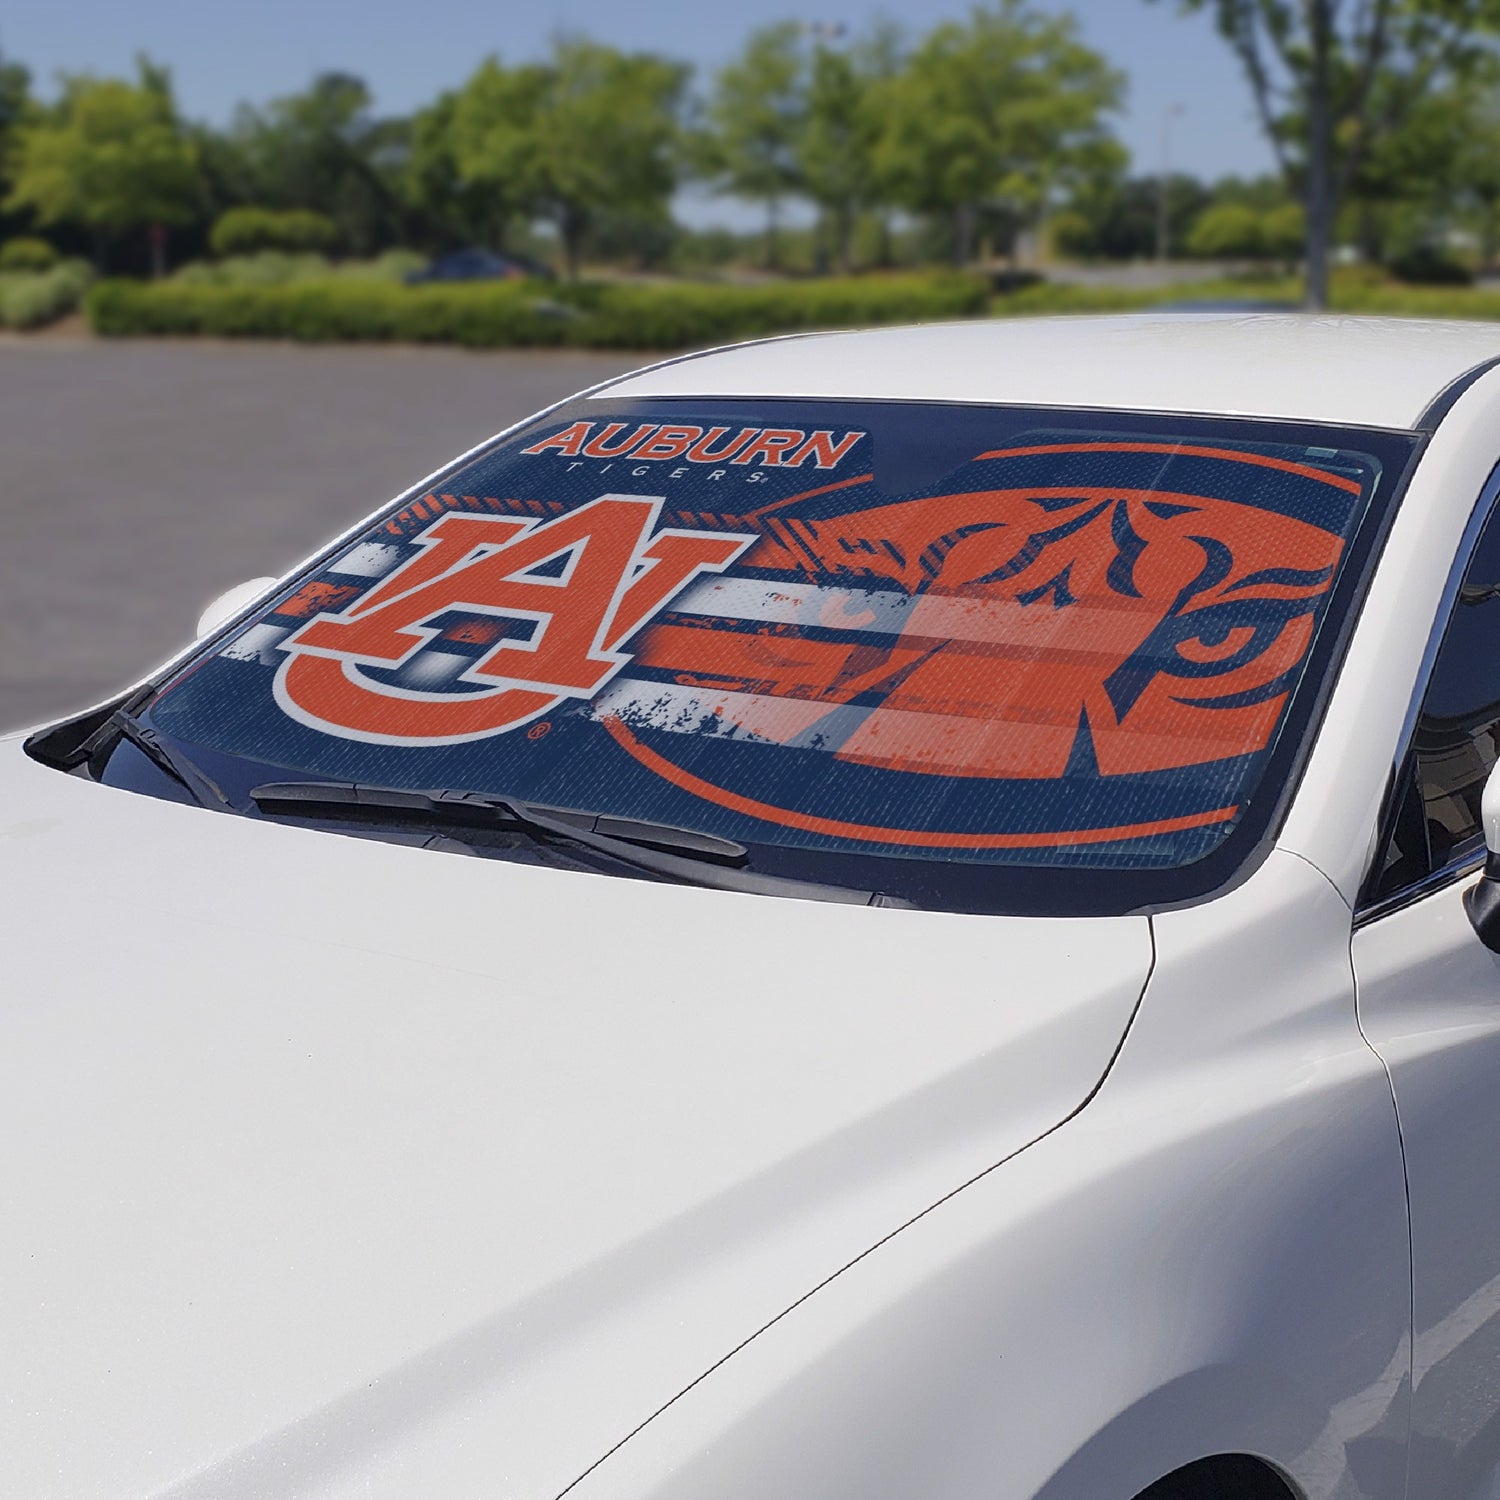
[539, 731]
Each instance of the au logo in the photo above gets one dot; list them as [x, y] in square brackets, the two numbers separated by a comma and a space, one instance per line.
[617, 571]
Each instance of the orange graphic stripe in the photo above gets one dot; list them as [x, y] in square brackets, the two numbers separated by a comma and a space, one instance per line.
[822, 489]
[1264, 460]
[908, 836]
[317, 597]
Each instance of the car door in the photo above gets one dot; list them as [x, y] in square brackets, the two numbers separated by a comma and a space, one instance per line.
[1429, 1003]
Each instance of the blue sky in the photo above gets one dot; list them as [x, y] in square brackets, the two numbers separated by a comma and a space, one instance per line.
[409, 49]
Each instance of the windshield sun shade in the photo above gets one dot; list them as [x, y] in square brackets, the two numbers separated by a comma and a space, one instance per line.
[942, 638]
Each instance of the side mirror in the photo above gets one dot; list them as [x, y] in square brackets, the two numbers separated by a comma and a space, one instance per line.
[228, 604]
[1482, 902]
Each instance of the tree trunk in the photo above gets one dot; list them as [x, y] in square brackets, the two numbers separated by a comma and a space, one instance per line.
[773, 249]
[844, 243]
[156, 235]
[1369, 233]
[963, 234]
[570, 226]
[1320, 204]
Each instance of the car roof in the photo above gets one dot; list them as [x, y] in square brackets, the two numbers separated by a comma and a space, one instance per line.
[1378, 372]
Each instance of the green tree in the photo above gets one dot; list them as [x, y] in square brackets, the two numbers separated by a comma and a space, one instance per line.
[1122, 213]
[835, 149]
[488, 141]
[1405, 181]
[1331, 83]
[1228, 231]
[607, 140]
[226, 178]
[1073, 234]
[1474, 165]
[1284, 231]
[325, 150]
[452, 208]
[880, 55]
[1262, 193]
[244, 231]
[1440, 171]
[15, 93]
[16, 107]
[591, 132]
[995, 112]
[755, 118]
[16, 104]
[110, 156]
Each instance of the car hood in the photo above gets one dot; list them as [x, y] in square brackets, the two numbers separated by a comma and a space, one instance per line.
[339, 1167]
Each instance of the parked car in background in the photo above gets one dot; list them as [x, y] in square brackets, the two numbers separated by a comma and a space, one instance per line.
[894, 915]
[478, 265]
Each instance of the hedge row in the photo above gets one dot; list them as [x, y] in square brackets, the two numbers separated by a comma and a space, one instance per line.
[1066, 297]
[604, 316]
[32, 299]
[1355, 290]
[283, 268]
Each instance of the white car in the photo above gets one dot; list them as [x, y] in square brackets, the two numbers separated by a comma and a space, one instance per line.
[878, 916]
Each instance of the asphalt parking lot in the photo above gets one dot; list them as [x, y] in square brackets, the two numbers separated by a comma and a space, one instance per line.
[139, 479]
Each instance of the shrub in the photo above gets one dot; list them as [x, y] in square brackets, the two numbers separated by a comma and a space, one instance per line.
[499, 314]
[1284, 231]
[1061, 297]
[677, 316]
[1227, 231]
[389, 265]
[326, 310]
[263, 268]
[1007, 279]
[27, 253]
[1072, 233]
[1427, 265]
[31, 299]
[704, 249]
[1360, 276]
[279, 268]
[243, 231]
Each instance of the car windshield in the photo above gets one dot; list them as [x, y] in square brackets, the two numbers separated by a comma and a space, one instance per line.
[983, 658]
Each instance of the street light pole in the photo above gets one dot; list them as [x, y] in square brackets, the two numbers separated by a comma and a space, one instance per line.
[1163, 182]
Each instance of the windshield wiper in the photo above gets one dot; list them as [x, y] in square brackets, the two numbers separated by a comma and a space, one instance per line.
[680, 854]
[483, 810]
[204, 789]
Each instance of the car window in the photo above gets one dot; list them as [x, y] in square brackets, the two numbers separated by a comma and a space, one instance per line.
[1457, 735]
[909, 647]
